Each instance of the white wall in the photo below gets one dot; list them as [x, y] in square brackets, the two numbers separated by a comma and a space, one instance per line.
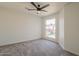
[61, 28]
[71, 30]
[18, 27]
[68, 28]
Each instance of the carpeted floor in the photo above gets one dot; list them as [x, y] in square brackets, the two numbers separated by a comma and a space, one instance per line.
[40, 47]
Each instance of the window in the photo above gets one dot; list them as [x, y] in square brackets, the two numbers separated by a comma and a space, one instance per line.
[50, 28]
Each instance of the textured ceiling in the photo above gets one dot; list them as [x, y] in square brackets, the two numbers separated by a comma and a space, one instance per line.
[20, 6]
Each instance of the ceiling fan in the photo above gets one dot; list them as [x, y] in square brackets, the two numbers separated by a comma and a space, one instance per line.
[38, 8]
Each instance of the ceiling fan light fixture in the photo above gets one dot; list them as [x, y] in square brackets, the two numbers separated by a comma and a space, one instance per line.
[38, 9]
[38, 12]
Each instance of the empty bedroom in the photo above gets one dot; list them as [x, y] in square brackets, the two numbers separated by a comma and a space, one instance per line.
[39, 29]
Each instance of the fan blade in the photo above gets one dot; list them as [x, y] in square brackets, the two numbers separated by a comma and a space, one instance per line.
[30, 9]
[34, 4]
[44, 10]
[44, 6]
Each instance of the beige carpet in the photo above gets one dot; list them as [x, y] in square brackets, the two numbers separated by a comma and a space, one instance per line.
[40, 47]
